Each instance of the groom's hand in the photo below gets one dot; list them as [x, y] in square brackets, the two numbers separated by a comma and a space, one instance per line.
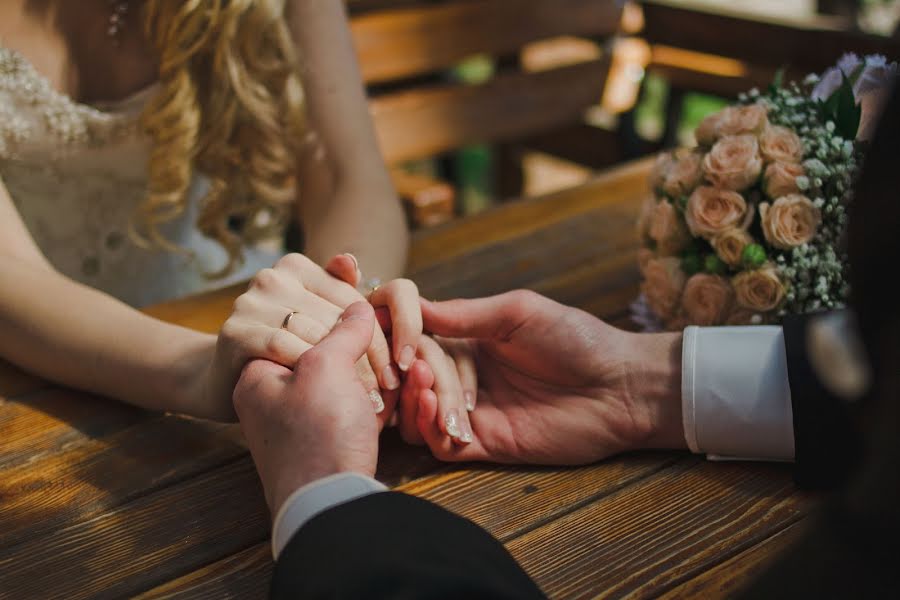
[555, 384]
[316, 420]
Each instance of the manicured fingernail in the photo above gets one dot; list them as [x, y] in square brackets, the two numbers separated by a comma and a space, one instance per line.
[375, 397]
[465, 435]
[394, 420]
[391, 380]
[353, 258]
[451, 421]
[470, 401]
[407, 356]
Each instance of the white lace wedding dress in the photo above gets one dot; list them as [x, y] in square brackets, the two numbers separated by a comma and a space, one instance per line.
[76, 173]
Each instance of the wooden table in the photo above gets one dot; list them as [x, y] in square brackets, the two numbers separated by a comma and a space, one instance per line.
[101, 499]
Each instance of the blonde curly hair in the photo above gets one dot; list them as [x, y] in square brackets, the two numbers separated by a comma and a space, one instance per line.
[230, 105]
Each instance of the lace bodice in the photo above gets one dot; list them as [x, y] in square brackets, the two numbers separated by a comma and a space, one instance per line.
[76, 173]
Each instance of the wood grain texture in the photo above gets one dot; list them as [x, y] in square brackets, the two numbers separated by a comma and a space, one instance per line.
[508, 501]
[406, 42]
[423, 122]
[245, 576]
[646, 539]
[48, 421]
[428, 201]
[619, 189]
[726, 580]
[809, 45]
[92, 477]
[153, 539]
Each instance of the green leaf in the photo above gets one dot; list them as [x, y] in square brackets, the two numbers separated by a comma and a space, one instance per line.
[778, 80]
[713, 265]
[842, 109]
[691, 264]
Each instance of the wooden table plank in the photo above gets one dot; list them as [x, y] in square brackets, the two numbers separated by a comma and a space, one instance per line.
[91, 478]
[673, 526]
[618, 189]
[245, 575]
[507, 501]
[144, 543]
[48, 421]
[726, 579]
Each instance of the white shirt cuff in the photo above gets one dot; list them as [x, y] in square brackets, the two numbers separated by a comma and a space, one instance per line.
[736, 397]
[316, 497]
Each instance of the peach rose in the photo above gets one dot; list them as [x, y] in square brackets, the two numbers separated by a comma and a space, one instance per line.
[707, 131]
[683, 175]
[790, 221]
[711, 211]
[644, 256]
[780, 144]
[733, 163]
[662, 285]
[707, 299]
[668, 230]
[760, 290]
[737, 120]
[660, 169]
[780, 179]
[732, 120]
[729, 245]
[645, 217]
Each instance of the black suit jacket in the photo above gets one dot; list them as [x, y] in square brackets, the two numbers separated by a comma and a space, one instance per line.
[391, 545]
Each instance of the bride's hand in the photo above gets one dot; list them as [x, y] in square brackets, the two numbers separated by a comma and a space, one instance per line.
[446, 367]
[401, 299]
[260, 327]
[450, 367]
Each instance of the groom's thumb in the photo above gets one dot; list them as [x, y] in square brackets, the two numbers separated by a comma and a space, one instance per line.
[352, 335]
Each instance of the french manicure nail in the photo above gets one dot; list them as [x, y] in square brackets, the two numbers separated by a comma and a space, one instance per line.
[391, 380]
[407, 356]
[452, 423]
[470, 401]
[375, 397]
[465, 435]
[353, 258]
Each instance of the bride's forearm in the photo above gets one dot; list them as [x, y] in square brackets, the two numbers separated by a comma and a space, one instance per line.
[373, 230]
[82, 338]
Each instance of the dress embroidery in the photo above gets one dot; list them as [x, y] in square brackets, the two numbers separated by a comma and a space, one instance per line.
[76, 173]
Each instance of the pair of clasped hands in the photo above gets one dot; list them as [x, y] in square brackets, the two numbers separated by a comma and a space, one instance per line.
[514, 378]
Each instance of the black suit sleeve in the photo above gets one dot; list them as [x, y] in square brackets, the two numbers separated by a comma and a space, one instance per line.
[827, 441]
[392, 545]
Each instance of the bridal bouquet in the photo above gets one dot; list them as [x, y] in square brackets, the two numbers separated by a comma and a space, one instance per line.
[747, 226]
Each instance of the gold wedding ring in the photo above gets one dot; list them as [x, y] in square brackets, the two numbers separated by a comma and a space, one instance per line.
[287, 319]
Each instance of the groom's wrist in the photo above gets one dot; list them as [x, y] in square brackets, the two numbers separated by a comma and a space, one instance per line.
[655, 389]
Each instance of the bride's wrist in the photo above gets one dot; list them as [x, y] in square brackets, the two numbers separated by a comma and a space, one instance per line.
[189, 375]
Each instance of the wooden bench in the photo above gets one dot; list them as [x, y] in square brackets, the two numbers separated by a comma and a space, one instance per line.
[723, 52]
[406, 48]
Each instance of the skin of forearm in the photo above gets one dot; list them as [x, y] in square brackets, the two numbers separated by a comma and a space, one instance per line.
[375, 232]
[79, 337]
[347, 201]
[654, 382]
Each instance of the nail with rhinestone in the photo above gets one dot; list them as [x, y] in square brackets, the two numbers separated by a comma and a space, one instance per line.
[451, 421]
[377, 401]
